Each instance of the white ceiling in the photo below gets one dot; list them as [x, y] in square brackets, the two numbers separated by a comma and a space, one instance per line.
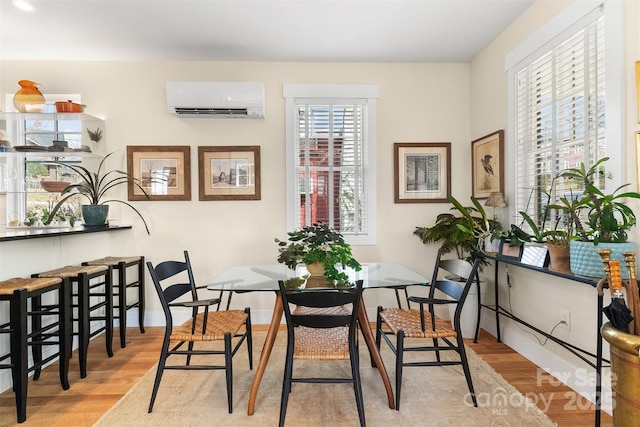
[255, 30]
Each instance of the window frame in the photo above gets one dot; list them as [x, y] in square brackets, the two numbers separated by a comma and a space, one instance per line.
[563, 26]
[318, 93]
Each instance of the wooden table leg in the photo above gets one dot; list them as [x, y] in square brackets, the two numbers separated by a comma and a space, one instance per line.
[365, 327]
[278, 309]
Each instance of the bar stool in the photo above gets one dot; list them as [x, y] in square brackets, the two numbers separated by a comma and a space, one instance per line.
[83, 291]
[122, 264]
[18, 292]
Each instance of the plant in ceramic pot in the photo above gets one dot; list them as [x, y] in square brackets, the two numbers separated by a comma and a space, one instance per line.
[465, 233]
[558, 240]
[93, 186]
[608, 220]
[317, 244]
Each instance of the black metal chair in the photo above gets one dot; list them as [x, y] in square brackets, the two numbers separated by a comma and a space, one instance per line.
[321, 329]
[203, 326]
[422, 324]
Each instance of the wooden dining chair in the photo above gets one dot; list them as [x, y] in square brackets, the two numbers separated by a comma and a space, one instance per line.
[412, 327]
[232, 327]
[319, 328]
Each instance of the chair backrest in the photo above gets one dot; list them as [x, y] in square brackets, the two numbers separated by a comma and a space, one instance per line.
[460, 275]
[321, 299]
[169, 291]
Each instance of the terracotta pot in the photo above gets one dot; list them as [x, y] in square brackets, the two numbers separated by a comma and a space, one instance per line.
[559, 258]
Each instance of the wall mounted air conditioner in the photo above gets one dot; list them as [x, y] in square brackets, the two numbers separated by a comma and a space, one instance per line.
[216, 99]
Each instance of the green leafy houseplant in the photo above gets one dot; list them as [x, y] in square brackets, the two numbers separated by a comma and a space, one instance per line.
[318, 243]
[608, 216]
[93, 187]
[462, 233]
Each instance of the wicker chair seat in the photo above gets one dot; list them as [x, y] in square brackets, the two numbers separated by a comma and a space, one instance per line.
[218, 323]
[339, 310]
[113, 260]
[30, 284]
[321, 344]
[74, 271]
[408, 320]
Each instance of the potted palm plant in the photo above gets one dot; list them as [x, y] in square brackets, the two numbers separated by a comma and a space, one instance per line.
[93, 187]
[321, 249]
[607, 221]
[465, 234]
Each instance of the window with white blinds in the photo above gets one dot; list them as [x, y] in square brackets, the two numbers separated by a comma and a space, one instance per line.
[329, 164]
[331, 151]
[560, 117]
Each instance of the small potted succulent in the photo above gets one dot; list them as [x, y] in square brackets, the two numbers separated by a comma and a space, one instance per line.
[317, 245]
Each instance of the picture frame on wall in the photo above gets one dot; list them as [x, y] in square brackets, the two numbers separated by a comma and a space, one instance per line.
[487, 165]
[422, 172]
[163, 171]
[229, 173]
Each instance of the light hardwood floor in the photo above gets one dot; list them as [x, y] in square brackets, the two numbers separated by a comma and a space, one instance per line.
[110, 378]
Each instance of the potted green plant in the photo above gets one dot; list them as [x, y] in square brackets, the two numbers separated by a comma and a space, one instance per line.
[316, 245]
[465, 234]
[608, 220]
[93, 187]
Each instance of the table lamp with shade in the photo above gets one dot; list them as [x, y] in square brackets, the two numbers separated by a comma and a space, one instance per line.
[496, 200]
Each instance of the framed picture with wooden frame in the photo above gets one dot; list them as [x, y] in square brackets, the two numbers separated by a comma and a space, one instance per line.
[422, 172]
[164, 171]
[229, 173]
[487, 165]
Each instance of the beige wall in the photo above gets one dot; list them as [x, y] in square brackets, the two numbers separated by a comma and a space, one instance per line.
[538, 298]
[417, 103]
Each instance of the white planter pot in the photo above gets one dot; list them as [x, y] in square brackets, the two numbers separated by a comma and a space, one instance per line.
[586, 261]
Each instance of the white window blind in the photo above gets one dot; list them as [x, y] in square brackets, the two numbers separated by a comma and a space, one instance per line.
[560, 116]
[332, 164]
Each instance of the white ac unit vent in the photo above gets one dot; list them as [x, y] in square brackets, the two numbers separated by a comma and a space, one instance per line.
[216, 99]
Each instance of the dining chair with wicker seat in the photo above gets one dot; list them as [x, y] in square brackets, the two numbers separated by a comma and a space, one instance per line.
[231, 327]
[322, 326]
[412, 327]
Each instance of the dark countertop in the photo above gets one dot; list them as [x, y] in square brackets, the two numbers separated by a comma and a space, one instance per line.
[24, 233]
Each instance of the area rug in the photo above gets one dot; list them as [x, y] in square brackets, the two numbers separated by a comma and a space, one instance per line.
[434, 396]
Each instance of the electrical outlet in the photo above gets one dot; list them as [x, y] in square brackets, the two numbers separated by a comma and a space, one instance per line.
[565, 319]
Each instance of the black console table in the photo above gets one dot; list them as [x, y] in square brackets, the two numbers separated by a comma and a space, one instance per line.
[594, 360]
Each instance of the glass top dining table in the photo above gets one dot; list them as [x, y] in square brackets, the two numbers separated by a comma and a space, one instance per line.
[265, 278]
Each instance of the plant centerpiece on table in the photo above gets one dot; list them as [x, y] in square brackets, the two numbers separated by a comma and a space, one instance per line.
[318, 244]
[465, 234]
[607, 222]
[93, 187]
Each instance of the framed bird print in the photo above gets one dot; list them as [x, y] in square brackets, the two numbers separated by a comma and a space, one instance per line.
[487, 165]
[422, 172]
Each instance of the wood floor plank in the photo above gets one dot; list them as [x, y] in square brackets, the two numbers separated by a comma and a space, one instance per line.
[109, 379]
